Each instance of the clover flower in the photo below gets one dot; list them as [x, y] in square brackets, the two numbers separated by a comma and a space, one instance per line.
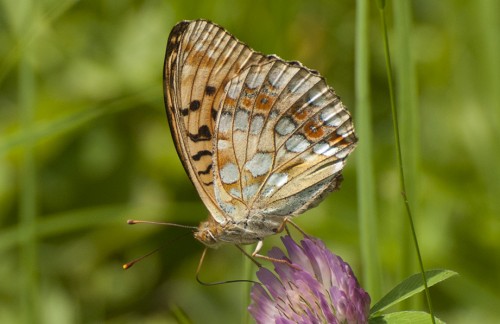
[318, 287]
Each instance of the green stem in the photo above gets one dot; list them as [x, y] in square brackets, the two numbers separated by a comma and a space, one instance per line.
[27, 208]
[406, 96]
[248, 274]
[364, 156]
[399, 155]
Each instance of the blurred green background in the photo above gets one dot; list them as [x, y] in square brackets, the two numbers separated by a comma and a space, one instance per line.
[85, 145]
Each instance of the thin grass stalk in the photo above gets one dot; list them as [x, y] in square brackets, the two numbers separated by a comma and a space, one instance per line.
[406, 94]
[27, 209]
[248, 274]
[364, 155]
[381, 5]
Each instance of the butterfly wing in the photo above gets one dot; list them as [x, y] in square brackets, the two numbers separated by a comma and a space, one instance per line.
[282, 138]
[201, 57]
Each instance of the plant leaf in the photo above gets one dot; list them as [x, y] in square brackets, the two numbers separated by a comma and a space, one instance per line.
[409, 287]
[410, 317]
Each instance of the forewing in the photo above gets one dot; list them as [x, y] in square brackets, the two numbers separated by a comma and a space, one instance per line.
[201, 58]
[282, 138]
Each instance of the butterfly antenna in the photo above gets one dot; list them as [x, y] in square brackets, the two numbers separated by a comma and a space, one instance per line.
[135, 221]
[220, 282]
[128, 265]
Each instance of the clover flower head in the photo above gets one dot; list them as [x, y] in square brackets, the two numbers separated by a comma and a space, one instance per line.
[319, 287]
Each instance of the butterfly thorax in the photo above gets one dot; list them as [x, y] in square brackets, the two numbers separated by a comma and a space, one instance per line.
[248, 231]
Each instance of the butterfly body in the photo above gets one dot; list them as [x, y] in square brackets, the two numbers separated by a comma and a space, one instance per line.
[262, 139]
[247, 231]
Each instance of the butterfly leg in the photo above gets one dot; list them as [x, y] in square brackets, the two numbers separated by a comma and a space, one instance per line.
[258, 247]
[289, 221]
[257, 255]
[283, 226]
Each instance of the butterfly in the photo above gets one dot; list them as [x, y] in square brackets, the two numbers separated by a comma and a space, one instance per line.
[261, 139]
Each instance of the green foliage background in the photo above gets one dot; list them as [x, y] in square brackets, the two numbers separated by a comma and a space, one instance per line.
[85, 145]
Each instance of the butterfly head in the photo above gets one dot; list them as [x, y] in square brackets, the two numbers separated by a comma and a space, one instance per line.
[208, 233]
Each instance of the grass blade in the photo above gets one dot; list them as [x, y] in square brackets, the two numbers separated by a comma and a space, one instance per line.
[406, 94]
[27, 209]
[364, 156]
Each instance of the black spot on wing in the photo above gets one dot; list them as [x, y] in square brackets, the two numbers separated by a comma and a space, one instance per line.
[194, 105]
[203, 134]
[214, 113]
[206, 171]
[200, 154]
[209, 90]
